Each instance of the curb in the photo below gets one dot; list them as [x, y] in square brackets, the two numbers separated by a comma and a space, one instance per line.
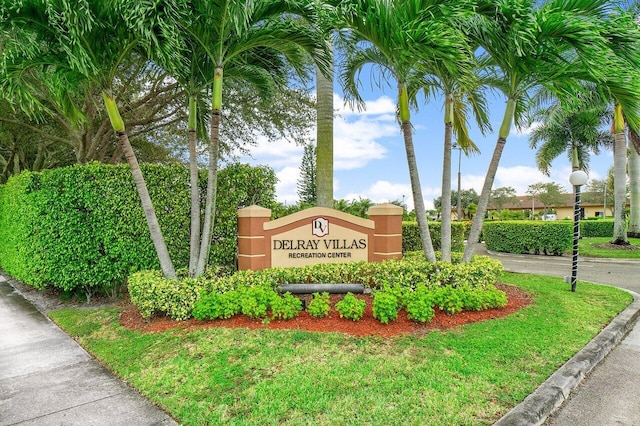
[536, 407]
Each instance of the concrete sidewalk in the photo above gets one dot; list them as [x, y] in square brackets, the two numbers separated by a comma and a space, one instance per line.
[46, 378]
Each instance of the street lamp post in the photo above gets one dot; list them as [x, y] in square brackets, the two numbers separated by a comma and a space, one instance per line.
[459, 213]
[577, 179]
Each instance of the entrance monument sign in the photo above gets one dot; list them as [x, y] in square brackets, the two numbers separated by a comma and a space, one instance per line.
[317, 235]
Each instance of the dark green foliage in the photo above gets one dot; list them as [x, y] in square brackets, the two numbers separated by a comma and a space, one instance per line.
[596, 228]
[307, 187]
[82, 228]
[350, 307]
[528, 236]
[411, 235]
[320, 305]
[385, 306]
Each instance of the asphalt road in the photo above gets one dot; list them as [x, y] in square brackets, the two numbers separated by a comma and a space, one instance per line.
[620, 273]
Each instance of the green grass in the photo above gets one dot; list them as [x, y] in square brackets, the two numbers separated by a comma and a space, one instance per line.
[468, 376]
[587, 248]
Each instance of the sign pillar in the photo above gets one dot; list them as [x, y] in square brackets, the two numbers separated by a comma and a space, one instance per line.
[388, 231]
[251, 240]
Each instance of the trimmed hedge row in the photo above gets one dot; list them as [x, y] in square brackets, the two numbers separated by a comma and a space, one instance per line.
[151, 293]
[596, 228]
[83, 228]
[528, 236]
[411, 235]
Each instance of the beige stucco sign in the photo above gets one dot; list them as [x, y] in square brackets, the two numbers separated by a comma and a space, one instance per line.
[317, 235]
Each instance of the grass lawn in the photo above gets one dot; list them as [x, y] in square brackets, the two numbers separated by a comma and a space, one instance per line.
[587, 247]
[468, 376]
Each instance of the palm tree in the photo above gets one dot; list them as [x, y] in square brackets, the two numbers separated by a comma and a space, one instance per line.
[634, 179]
[395, 37]
[623, 89]
[461, 93]
[571, 126]
[324, 139]
[87, 45]
[531, 44]
[249, 42]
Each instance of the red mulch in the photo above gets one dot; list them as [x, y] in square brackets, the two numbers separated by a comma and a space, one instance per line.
[367, 326]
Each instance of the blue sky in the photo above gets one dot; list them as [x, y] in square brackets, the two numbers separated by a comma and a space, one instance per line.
[370, 161]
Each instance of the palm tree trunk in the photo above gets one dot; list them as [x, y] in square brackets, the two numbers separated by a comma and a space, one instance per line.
[212, 174]
[619, 179]
[147, 205]
[445, 224]
[324, 140]
[634, 178]
[476, 227]
[194, 245]
[416, 189]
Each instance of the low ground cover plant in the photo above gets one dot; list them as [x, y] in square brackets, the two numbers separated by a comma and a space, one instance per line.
[320, 305]
[350, 307]
[396, 283]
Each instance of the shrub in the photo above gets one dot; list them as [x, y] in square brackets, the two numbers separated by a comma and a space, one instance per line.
[217, 306]
[320, 305]
[255, 301]
[351, 307]
[151, 293]
[286, 307]
[396, 277]
[411, 235]
[528, 236]
[449, 299]
[420, 304]
[83, 228]
[385, 306]
[596, 228]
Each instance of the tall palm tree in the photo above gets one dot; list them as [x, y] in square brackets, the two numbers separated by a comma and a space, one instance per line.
[247, 41]
[622, 87]
[90, 43]
[531, 44]
[634, 183]
[324, 139]
[461, 93]
[572, 126]
[395, 37]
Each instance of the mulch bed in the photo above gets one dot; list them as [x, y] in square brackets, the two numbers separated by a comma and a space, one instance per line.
[367, 326]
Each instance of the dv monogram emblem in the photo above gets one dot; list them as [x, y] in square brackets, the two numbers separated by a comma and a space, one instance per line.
[320, 227]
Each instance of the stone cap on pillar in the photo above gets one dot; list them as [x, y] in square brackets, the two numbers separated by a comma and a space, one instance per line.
[387, 209]
[254, 211]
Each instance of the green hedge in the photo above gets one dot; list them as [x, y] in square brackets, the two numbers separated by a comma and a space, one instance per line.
[83, 228]
[596, 228]
[528, 236]
[152, 293]
[411, 235]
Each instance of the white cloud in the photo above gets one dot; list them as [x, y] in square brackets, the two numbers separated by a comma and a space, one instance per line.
[526, 131]
[356, 138]
[383, 106]
[287, 186]
[276, 154]
[518, 177]
[355, 142]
